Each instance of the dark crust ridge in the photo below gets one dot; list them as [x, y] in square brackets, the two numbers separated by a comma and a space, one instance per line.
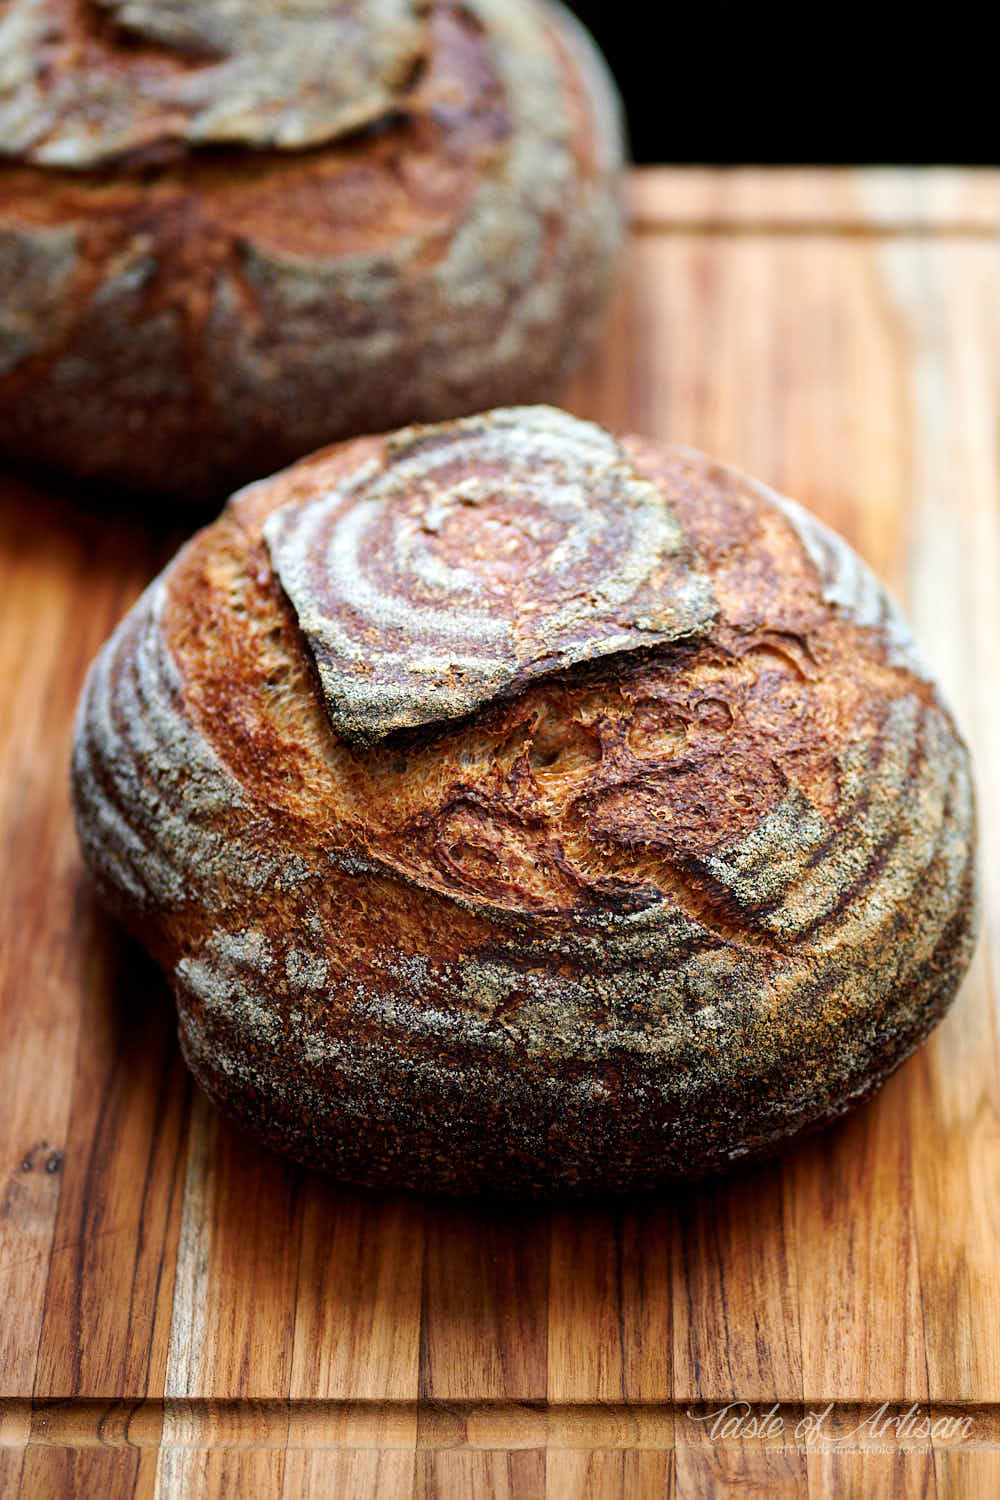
[651, 915]
[181, 319]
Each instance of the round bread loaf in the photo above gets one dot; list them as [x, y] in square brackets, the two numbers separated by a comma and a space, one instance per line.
[515, 807]
[232, 230]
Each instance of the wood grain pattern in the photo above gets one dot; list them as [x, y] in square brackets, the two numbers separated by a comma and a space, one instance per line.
[185, 1315]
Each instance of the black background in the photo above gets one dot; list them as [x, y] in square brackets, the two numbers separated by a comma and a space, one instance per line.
[704, 84]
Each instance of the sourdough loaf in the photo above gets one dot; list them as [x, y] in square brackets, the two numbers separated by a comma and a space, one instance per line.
[517, 807]
[233, 230]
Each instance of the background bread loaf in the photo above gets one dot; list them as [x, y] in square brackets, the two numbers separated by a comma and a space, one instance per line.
[517, 807]
[230, 232]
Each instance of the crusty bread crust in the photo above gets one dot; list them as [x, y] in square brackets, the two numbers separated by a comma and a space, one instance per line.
[210, 268]
[625, 918]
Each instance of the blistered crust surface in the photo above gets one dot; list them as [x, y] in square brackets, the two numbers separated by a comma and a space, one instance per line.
[642, 916]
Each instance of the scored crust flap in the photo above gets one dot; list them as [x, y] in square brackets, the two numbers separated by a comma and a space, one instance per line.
[133, 73]
[468, 562]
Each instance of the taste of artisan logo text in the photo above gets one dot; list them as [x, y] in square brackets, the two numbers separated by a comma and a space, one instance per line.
[739, 1419]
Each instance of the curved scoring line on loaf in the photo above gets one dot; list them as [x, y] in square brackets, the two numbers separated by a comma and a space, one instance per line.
[475, 557]
[792, 873]
[130, 737]
[254, 72]
[153, 797]
[782, 880]
[849, 584]
[341, 556]
[642, 995]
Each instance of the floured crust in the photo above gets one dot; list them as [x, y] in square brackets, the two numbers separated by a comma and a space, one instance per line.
[183, 311]
[85, 82]
[467, 562]
[647, 914]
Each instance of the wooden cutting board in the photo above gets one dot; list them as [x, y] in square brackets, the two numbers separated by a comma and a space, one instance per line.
[183, 1315]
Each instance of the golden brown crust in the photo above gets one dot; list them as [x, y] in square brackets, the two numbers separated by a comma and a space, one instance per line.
[635, 918]
[182, 316]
